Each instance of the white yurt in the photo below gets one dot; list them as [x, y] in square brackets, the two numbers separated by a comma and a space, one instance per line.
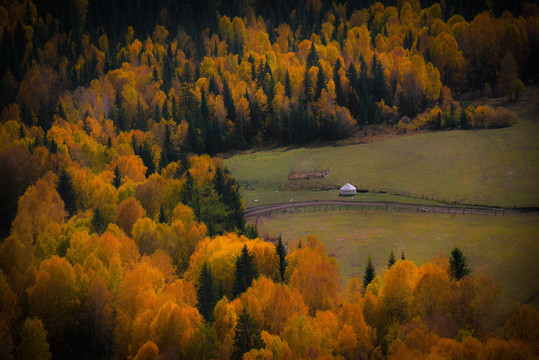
[347, 190]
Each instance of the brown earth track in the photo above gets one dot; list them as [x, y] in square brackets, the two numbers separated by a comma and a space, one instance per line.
[384, 205]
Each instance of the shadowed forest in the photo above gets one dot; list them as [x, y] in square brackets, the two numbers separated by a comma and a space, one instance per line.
[123, 234]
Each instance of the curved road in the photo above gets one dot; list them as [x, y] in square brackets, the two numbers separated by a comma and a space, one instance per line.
[384, 205]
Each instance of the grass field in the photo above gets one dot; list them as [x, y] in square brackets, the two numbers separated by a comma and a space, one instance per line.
[506, 248]
[486, 167]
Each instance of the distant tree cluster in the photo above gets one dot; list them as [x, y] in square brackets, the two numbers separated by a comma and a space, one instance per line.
[122, 238]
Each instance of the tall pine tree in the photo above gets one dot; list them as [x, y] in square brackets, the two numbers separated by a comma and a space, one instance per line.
[245, 273]
[369, 274]
[67, 192]
[457, 264]
[246, 336]
[281, 253]
[206, 293]
[391, 260]
[117, 180]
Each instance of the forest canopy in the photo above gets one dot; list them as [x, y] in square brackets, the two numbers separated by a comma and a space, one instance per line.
[123, 237]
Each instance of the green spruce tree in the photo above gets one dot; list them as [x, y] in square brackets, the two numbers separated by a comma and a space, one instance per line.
[312, 57]
[287, 85]
[245, 272]
[117, 180]
[246, 336]
[206, 293]
[281, 253]
[98, 222]
[391, 260]
[320, 83]
[162, 216]
[457, 265]
[369, 274]
[67, 192]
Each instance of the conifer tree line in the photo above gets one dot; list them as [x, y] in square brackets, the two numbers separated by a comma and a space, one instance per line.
[224, 76]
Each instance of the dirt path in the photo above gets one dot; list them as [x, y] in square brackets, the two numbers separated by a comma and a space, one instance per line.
[324, 205]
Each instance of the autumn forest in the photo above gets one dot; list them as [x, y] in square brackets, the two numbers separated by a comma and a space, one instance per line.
[123, 232]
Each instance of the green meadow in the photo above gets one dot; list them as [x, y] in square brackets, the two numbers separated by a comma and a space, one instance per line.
[487, 167]
[504, 247]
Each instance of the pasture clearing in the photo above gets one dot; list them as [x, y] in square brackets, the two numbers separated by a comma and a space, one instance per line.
[486, 167]
[506, 248]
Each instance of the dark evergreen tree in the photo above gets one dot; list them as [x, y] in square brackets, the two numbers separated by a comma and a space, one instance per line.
[307, 86]
[44, 119]
[162, 216]
[164, 111]
[61, 112]
[212, 87]
[369, 274]
[174, 110]
[287, 85]
[245, 272]
[189, 194]
[26, 114]
[281, 253]
[145, 153]
[246, 336]
[168, 72]
[67, 192]
[320, 83]
[312, 57]
[408, 40]
[164, 158]
[340, 97]
[213, 212]
[206, 293]
[229, 101]
[391, 260]
[183, 164]
[219, 181]
[98, 222]
[457, 264]
[117, 180]
[379, 82]
[156, 114]
[251, 231]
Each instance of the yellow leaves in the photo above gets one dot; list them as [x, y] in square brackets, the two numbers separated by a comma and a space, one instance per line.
[220, 254]
[207, 67]
[316, 277]
[150, 194]
[81, 246]
[225, 319]
[283, 34]
[396, 295]
[358, 42]
[53, 298]
[173, 327]
[132, 168]
[129, 212]
[270, 304]
[202, 168]
[148, 351]
[39, 206]
[135, 50]
[352, 315]
[160, 34]
[429, 290]
[225, 28]
[327, 31]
